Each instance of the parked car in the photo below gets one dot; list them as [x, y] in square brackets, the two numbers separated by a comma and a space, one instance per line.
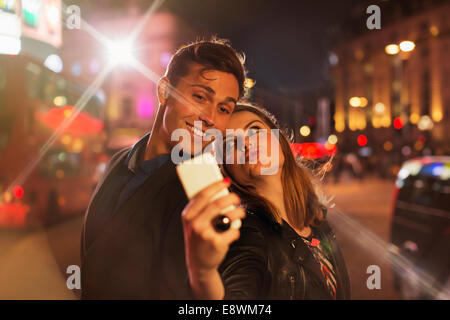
[421, 228]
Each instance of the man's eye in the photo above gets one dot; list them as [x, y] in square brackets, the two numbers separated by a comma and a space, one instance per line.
[224, 110]
[199, 97]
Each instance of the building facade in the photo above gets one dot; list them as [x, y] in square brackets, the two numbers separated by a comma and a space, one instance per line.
[395, 92]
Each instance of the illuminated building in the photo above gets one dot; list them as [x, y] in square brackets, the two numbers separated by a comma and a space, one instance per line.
[402, 70]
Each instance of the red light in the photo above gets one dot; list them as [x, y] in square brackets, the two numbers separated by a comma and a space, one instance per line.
[398, 123]
[18, 192]
[362, 140]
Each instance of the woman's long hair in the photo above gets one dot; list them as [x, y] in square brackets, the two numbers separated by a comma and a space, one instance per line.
[303, 207]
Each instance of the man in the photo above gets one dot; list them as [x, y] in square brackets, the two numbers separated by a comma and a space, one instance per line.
[132, 239]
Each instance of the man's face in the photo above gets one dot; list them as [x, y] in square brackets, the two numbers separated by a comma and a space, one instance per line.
[207, 96]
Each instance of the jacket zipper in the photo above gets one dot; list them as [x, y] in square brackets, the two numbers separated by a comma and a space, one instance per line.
[304, 283]
[292, 281]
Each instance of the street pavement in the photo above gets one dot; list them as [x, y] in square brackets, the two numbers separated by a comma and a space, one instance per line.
[364, 237]
[33, 262]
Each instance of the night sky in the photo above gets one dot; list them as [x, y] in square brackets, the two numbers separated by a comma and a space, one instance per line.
[286, 42]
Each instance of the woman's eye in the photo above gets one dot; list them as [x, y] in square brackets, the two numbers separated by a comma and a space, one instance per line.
[224, 110]
[253, 130]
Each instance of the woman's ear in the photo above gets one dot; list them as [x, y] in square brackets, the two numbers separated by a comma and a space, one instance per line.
[163, 90]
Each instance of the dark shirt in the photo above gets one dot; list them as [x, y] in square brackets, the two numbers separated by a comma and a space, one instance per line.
[125, 182]
[132, 239]
[323, 256]
[140, 172]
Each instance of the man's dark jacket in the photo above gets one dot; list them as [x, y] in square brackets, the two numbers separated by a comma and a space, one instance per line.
[138, 253]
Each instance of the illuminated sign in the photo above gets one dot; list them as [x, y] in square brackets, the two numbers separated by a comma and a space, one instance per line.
[8, 5]
[42, 20]
[10, 28]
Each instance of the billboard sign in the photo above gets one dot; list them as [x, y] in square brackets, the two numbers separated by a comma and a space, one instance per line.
[41, 20]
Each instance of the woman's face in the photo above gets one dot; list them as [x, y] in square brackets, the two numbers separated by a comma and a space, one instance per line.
[252, 150]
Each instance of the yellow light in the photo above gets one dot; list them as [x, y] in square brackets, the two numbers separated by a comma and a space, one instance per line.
[332, 139]
[414, 118]
[355, 101]
[329, 146]
[339, 126]
[418, 145]
[379, 108]
[249, 83]
[425, 123]
[7, 196]
[407, 46]
[436, 115]
[305, 131]
[434, 31]
[388, 146]
[363, 102]
[77, 145]
[392, 49]
[66, 139]
[67, 113]
[60, 101]
[386, 122]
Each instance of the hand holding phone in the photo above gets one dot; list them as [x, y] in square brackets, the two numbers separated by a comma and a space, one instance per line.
[200, 172]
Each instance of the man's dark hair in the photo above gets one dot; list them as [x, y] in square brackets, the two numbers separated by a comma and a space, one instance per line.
[214, 54]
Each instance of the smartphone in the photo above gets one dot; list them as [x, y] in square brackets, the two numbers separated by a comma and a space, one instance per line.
[198, 173]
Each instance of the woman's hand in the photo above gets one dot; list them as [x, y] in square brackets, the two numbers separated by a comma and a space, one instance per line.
[206, 248]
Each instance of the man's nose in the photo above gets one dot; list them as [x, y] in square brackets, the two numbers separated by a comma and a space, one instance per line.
[207, 117]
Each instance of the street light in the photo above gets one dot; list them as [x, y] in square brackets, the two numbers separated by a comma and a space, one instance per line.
[425, 123]
[120, 52]
[355, 101]
[404, 46]
[379, 108]
[305, 131]
[407, 46]
[392, 49]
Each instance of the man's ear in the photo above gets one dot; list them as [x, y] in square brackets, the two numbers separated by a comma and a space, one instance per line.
[163, 90]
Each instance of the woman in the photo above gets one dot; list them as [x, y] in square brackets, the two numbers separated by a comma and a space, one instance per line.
[286, 249]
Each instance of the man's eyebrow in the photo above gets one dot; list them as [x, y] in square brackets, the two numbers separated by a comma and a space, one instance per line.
[230, 99]
[209, 89]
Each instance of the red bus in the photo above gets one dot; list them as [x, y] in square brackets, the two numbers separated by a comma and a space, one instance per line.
[33, 102]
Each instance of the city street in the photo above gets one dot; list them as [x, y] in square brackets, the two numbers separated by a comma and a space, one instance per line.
[368, 203]
[33, 263]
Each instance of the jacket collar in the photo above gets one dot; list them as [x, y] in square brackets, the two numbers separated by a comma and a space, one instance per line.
[132, 157]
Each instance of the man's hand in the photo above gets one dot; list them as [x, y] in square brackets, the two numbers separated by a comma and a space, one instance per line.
[205, 247]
